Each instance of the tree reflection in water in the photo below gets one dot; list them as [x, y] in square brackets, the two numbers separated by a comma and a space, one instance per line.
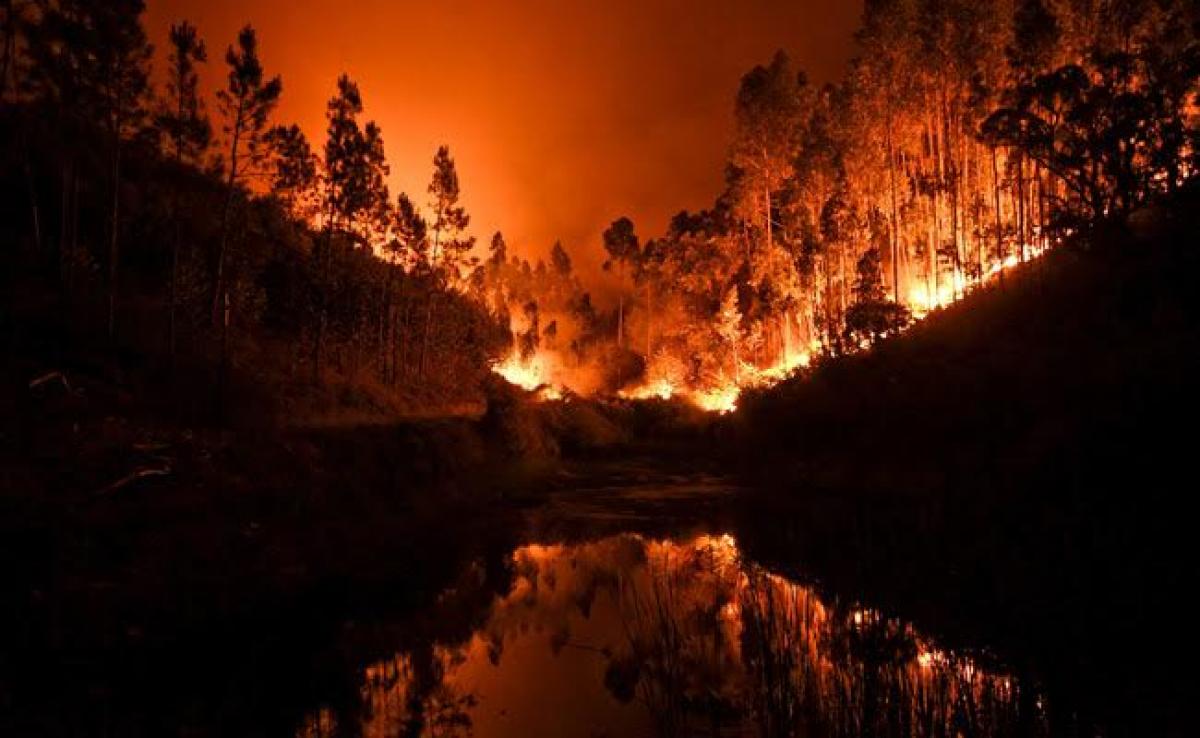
[666, 638]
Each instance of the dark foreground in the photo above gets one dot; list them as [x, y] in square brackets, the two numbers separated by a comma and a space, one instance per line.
[628, 601]
[978, 529]
[626, 607]
[1017, 468]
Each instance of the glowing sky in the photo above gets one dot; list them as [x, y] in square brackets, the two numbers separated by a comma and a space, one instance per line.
[562, 115]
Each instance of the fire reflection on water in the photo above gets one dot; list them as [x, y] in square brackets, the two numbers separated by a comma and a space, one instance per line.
[632, 636]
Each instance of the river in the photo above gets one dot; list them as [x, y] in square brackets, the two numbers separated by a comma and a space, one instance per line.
[629, 609]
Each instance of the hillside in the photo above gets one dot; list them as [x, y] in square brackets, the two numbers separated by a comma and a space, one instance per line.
[1015, 468]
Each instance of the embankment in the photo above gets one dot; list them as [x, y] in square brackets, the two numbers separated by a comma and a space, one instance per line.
[1015, 470]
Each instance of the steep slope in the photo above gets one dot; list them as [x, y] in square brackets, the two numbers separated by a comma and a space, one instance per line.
[1015, 470]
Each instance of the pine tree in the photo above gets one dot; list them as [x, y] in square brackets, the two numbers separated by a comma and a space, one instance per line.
[450, 242]
[187, 133]
[410, 250]
[93, 61]
[355, 191]
[294, 169]
[450, 219]
[246, 105]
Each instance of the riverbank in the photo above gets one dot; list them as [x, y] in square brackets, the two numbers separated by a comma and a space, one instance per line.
[1013, 471]
[123, 523]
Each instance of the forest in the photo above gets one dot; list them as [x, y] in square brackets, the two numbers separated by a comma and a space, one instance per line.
[881, 440]
[223, 247]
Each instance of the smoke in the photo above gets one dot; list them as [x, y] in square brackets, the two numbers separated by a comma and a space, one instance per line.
[562, 116]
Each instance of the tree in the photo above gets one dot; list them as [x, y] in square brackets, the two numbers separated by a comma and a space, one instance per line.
[411, 232]
[294, 169]
[1035, 39]
[872, 316]
[450, 219]
[767, 115]
[187, 132]
[409, 249]
[728, 327]
[118, 57]
[498, 252]
[246, 104]
[450, 242]
[355, 190]
[14, 20]
[182, 120]
[1095, 130]
[621, 243]
[560, 260]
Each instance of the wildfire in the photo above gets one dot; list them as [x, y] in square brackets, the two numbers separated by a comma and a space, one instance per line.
[722, 395]
[666, 378]
[722, 400]
[531, 373]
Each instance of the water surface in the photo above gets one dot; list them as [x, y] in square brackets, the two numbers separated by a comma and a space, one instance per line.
[636, 634]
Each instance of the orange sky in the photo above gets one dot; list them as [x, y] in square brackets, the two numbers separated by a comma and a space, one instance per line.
[562, 115]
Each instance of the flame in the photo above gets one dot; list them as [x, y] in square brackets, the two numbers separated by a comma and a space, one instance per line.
[667, 376]
[722, 396]
[722, 400]
[530, 373]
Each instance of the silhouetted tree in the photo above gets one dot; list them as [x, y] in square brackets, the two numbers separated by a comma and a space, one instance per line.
[294, 175]
[246, 104]
[187, 132]
[450, 219]
[561, 260]
[872, 316]
[450, 244]
[621, 243]
[354, 186]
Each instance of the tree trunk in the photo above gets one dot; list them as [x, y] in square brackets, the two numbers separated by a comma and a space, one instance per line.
[405, 331]
[35, 211]
[227, 210]
[223, 372]
[1021, 206]
[620, 321]
[891, 155]
[429, 311]
[173, 296]
[114, 243]
[767, 203]
[10, 38]
[1000, 255]
[649, 320]
[385, 314]
[66, 223]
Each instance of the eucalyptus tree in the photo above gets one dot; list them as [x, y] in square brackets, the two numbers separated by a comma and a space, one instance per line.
[768, 115]
[623, 248]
